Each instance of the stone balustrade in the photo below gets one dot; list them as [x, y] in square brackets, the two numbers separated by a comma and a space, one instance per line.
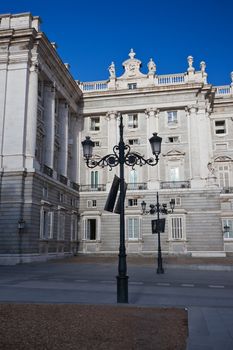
[160, 80]
[94, 86]
[223, 90]
[171, 79]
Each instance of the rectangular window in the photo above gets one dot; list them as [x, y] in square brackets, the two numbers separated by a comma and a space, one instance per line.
[133, 228]
[95, 124]
[61, 226]
[176, 228]
[46, 224]
[172, 117]
[91, 229]
[132, 121]
[227, 225]
[174, 174]
[177, 201]
[62, 197]
[91, 203]
[73, 227]
[133, 179]
[132, 86]
[94, 179]
[173, 139]
[224, 175]
[221, 146]
[132, 202]
[133, 142]
[96, 143]
[220, 127]
[45, 192]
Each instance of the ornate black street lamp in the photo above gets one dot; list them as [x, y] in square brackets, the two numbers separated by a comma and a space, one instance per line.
[158, 208]
[121, 155]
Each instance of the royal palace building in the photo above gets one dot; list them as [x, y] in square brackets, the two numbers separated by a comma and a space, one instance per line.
[52, 204]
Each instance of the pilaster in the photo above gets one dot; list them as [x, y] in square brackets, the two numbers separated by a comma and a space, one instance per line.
[63, 112]
[195, 151]
[152, 117]
[49, 115]
[111, 117]
[15, 110]
[32, 115]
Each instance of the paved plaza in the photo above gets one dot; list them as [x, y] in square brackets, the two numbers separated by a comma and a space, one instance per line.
[205, 292]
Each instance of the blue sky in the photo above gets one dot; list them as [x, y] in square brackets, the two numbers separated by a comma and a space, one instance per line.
[91, 34]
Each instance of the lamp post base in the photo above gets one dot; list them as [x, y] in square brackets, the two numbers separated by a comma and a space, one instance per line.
[122, 289]
[160, 270]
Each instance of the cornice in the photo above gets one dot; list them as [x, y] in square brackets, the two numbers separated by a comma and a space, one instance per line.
[148, 90]
[56, 64]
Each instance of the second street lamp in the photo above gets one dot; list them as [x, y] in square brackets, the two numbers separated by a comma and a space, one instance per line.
[157, 209]
[121, 155]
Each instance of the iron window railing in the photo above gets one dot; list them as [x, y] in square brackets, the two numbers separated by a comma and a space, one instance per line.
[174, 184]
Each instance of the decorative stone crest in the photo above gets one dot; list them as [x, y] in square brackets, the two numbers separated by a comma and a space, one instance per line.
[111, 115]
[152, 112]
[191, 109]
[174, 153]
[132, 67]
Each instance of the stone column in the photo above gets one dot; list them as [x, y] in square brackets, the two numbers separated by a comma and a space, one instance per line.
[205, 139]
[194, 146]
[74, 141]
[111, 117]
[32, 116]
[63, 115]
[49, 115]
[152, 115]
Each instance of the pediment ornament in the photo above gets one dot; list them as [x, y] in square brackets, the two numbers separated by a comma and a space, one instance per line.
[223, 159]
[174, 153]
[132, 67]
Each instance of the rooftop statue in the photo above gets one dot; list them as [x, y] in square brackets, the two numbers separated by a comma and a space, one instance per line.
[151, 67]
[112, 70]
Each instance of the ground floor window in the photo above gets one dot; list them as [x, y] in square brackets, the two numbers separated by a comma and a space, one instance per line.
[46, 223]
[61, 226]
[177, 228]
[133, 227]
[227, 225]
[91, 229]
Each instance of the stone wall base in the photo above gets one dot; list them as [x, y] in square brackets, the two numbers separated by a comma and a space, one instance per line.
[14, 259]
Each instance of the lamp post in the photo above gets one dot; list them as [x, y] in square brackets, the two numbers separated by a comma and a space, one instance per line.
[121, 155]
[158, 208]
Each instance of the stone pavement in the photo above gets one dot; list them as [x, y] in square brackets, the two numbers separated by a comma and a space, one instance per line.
[209, 328]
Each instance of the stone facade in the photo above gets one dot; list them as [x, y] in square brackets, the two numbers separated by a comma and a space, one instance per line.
[195, 120]
[52, 204]
[39, 196]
